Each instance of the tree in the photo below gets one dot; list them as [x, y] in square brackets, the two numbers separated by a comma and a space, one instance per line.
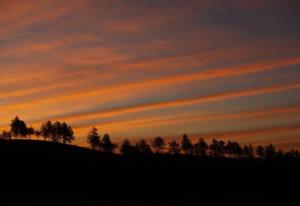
[93, 138]
[107, 145]
[248, 151]
[38, 134]
[260, 152]
[67, 133]
[47, 130]
[56, 132]
[158, 144]
[279, 154]
[143, 147]
[186, 145]
[30, 132]
[217, 148]
[5, 135]
[234, 149]
[174, 148]
[292, 154]
[18, 128]
[200, 148]
[270, 152]
[127, 148]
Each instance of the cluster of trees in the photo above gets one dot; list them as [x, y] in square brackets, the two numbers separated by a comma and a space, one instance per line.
[103, 144]
[217, 149]
[56, 132]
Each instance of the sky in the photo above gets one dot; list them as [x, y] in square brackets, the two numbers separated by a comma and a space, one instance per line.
[139, 68]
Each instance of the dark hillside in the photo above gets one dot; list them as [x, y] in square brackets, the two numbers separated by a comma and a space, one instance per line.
[43, 171]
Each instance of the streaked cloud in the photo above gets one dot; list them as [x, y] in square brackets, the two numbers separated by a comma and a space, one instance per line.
[139, 66]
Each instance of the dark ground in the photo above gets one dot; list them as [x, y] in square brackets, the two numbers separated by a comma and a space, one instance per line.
[43, 173]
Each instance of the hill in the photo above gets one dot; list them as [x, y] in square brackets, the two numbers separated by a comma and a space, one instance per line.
[50, 173]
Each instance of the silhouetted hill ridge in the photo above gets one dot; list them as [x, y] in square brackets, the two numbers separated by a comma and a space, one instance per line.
[52, 169]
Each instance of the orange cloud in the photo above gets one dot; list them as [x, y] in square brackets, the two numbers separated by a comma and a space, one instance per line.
[291, 110]
[180, 102]
[196, 100]
[27, 48]
[100, 59]
[21, 15]
[206, 75]
[254, 133]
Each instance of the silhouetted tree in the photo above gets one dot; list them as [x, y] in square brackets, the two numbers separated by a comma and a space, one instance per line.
[30, 132]
[56, 133]
[5, 135]
[200, 148]
[292, 154]
[143, 147]
[270, 152]
[279, 154]
[47, 130]
[93, 138]
[186, 145]
[248, 151]
[127, 148]
[217, 148]
[174, 148]
[234, 149]
[107, 145]
[260, 151]
[38, 134]
[67, 133]
[295, 153]
[18, 128]
[158, 144]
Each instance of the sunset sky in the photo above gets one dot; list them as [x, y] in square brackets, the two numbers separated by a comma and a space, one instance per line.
[141, 68]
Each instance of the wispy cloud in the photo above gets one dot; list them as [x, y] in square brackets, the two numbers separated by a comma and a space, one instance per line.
[129, 64]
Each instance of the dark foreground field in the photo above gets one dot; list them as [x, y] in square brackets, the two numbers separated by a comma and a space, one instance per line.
[43, 173]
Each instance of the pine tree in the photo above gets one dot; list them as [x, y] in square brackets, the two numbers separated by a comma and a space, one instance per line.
[93, 138]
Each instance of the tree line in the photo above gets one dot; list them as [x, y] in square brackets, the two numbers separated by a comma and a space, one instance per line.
[217, 148]
[56, 132]
[61, 132]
